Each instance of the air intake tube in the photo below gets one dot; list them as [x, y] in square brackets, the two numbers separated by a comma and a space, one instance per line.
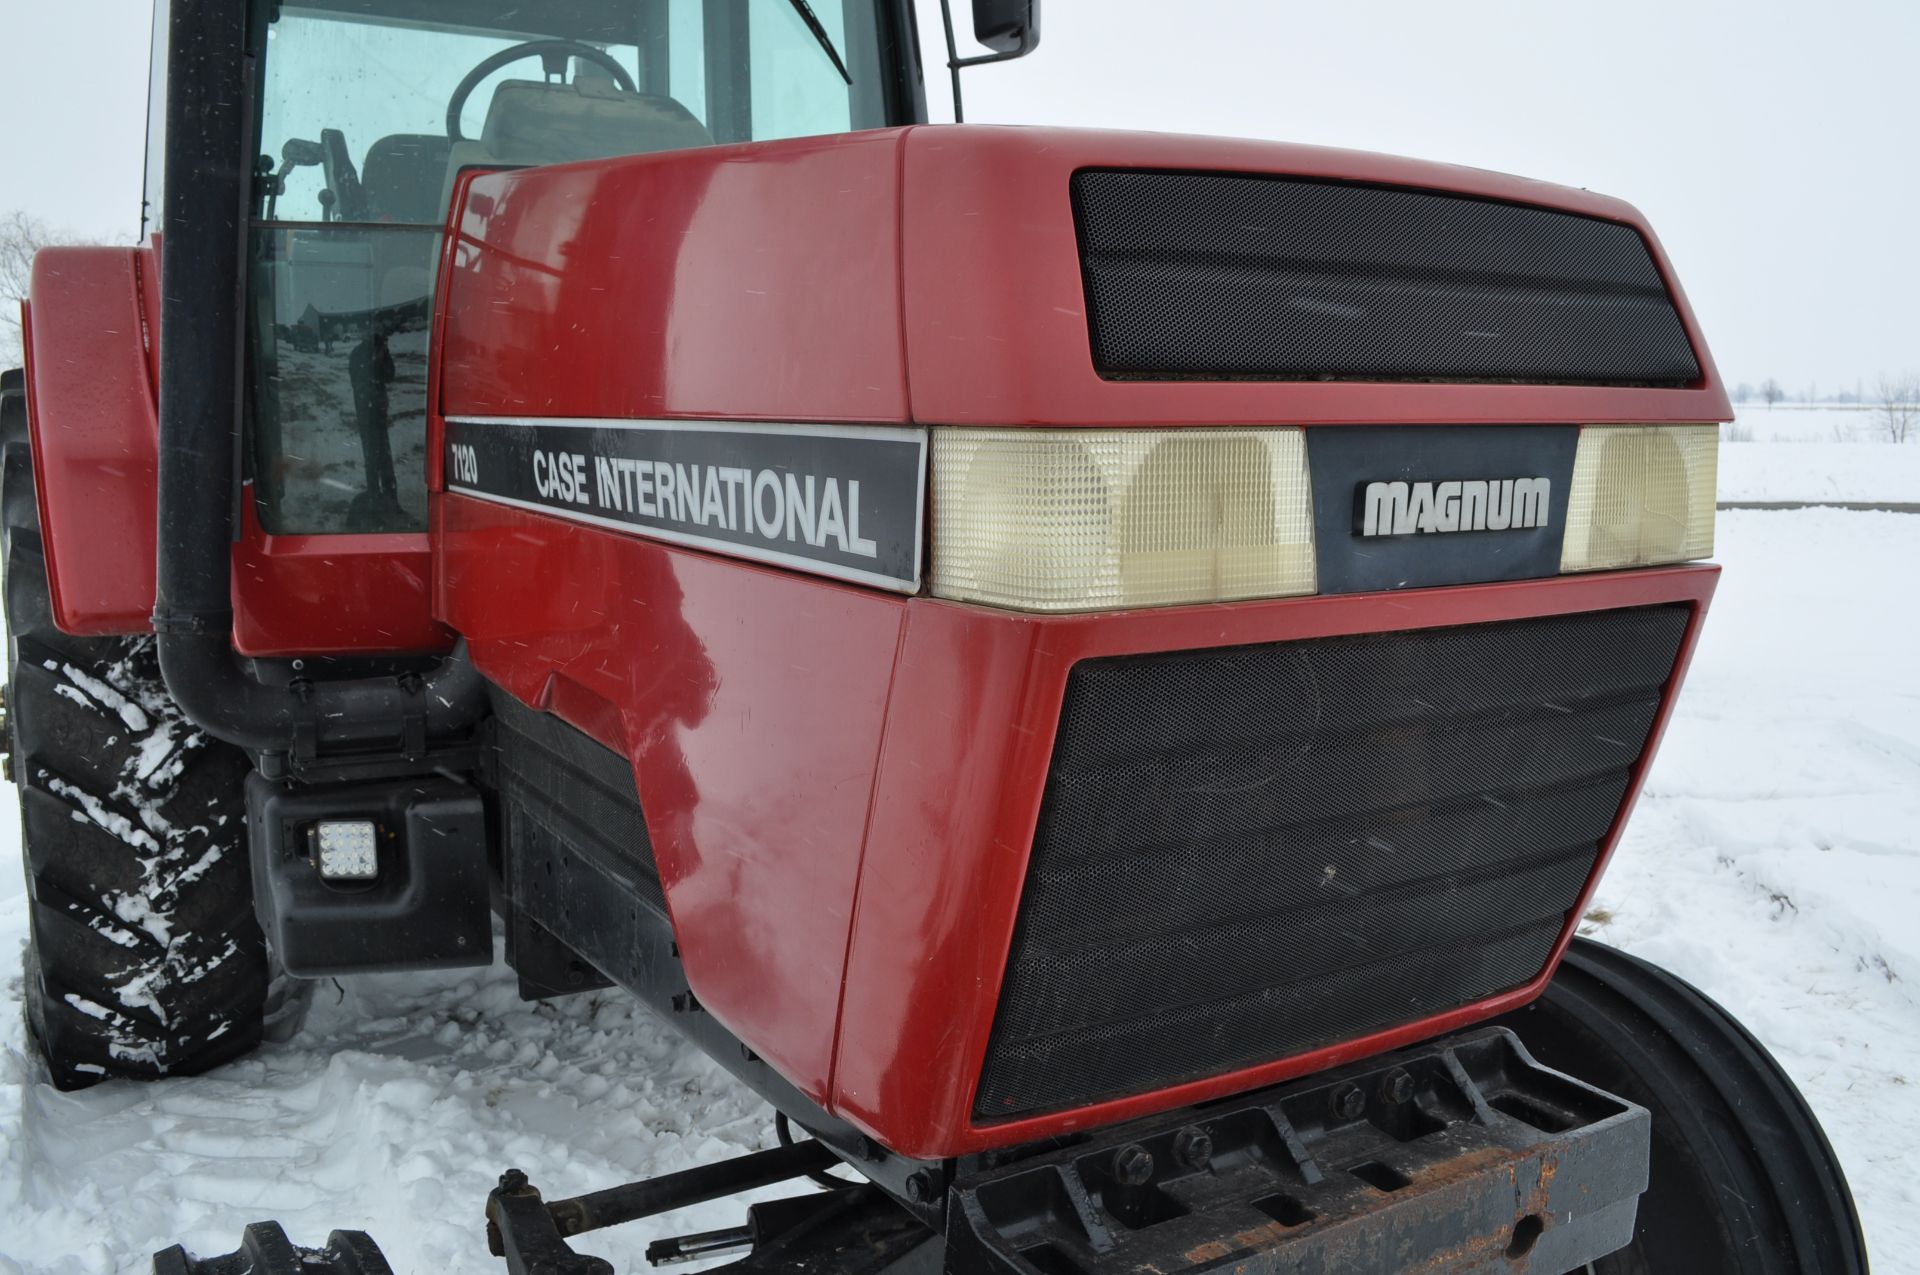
[204, 222]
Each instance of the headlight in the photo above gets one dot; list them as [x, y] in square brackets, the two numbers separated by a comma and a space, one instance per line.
[1642, 494]
[1085, 520]
[347, 849]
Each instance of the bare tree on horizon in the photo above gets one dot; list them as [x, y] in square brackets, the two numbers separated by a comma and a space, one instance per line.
[1897, 406]
[21, 235]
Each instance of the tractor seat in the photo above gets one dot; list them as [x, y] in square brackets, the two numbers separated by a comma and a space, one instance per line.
[403, 176]
[532, 122]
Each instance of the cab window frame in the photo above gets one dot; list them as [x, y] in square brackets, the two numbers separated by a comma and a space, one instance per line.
[887, 90]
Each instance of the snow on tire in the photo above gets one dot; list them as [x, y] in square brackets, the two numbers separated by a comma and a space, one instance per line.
[145, 957]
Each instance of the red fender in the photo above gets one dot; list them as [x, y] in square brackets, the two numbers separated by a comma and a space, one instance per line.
[92, 347]
[91, 396]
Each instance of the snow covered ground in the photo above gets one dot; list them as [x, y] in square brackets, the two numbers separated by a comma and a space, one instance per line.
[392, 1110]
[1820, 471]
[1810, 422]
[1775, 861]
[1816, 453]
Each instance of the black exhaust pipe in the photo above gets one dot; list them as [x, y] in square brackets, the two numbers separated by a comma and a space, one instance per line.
[204, 220]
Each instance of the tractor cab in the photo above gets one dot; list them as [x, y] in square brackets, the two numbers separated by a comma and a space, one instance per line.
[368, 113]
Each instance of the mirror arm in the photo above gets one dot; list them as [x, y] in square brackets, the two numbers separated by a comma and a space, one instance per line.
[985, 58]
[953, 60]
[956, 63]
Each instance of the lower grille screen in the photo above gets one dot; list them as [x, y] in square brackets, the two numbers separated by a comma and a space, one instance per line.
[1247, 853]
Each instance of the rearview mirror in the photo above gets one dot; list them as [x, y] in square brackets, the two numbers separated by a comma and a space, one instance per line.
[1011, 28]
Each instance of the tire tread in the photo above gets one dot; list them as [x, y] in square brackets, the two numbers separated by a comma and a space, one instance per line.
[145, 958]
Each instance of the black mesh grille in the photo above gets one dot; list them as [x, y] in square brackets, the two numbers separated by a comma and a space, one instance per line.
[1198, 275]
[1250, 852]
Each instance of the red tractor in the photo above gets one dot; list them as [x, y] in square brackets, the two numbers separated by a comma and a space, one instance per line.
[1098, 672]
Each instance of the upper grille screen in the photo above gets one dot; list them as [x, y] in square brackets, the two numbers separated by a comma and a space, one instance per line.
[1251, 852]
[1220, 276]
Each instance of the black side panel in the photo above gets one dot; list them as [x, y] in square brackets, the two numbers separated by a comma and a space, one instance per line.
[1247, 853]
[578, 860]
[579, 865]
[1210, 275]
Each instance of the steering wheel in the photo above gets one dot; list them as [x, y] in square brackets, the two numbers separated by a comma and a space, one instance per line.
[548, 51]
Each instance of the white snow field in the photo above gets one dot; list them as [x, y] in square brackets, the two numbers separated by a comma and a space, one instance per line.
[1811, 422]
[1800, 452]
[1774, 860]
[1820, 472]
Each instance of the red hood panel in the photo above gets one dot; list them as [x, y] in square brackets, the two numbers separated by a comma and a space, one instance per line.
[928, 274]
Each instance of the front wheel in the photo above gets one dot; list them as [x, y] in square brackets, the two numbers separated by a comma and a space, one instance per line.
[1742, 1179]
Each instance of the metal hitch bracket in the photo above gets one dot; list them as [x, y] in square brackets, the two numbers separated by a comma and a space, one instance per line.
[1467, 1156]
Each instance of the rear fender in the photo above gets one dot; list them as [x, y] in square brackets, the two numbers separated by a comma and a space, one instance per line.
[92, 343]
[91, 412]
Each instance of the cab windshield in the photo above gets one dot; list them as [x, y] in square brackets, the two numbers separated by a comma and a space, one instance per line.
[369, 109]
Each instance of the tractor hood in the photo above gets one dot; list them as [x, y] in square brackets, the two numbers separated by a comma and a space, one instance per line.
[1010, 276]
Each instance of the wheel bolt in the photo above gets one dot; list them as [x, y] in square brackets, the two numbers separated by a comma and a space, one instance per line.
[1348, 1102]
[1396, 1087]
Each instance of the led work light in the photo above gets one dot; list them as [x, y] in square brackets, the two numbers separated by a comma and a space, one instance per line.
[1642, 494]
[1085, 520]
[345, 849]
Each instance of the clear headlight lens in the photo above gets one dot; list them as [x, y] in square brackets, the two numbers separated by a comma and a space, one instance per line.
[1086, 520]
[1642, 494]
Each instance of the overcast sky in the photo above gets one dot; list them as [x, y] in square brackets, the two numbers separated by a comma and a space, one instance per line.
[1775, 147]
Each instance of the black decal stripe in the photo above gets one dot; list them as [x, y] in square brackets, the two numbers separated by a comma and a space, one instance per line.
[859, 487]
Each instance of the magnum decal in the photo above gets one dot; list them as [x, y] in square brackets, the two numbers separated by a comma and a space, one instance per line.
[1405, 509]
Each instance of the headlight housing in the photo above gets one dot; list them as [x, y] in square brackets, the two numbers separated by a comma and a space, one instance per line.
[1641, 495]
[1086, 520]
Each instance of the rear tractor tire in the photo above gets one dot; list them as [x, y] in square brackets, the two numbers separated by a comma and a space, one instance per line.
[1742, 1181]
[145, 959]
